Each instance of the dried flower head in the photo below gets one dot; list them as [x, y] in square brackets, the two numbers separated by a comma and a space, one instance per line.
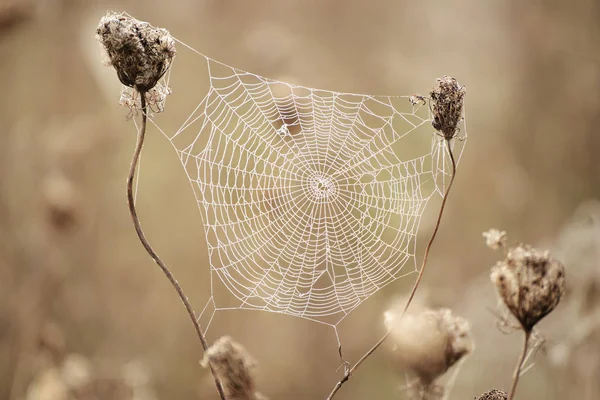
[530, 283]
[447, 98]
[139, 52]
[232, 364]
[495, 239]
[493, 394]
[429, 343]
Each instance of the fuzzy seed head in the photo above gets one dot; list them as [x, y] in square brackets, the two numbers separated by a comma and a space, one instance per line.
[495, 239]
[139, 52]
[530, 283]
[233, 365]
[429, 343]
[493, 394]
[447, 98]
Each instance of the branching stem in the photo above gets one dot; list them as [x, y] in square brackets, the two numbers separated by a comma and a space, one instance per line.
[146, 244]
[416, 285]
[517, 372]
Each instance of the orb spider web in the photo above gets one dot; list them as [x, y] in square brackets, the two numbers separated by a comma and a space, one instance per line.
[311, 199]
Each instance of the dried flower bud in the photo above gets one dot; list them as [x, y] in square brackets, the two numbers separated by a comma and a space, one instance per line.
[429, 343]
[447, 99]
[139, 52]
[493, 394]
[495, 239]
[232, 364]
[530, 283]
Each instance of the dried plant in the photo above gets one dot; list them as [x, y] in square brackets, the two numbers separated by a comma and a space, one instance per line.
[530, 283]
[233, 366]
[447, 99]
[446, 102]
[141, 54]
[428, 344]
[493, 394]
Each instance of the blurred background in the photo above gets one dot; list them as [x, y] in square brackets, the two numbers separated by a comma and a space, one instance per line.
[84, 312]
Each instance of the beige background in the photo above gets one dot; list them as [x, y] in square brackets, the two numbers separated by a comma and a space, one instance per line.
[72, 269]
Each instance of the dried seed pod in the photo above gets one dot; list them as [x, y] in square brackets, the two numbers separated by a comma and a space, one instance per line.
[447, 98]
[530, 283]
[495, 239]
[429, 343]
[232, 364]
[493, 394]
[139, 52]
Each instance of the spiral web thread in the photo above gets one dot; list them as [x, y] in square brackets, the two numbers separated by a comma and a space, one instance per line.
[311, 199]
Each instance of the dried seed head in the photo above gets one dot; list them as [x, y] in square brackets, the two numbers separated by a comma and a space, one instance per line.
[447, 99]
[429, 343]
[139, 52]
[232, 364]
[495, 239]
[530, 283]
[493, 394]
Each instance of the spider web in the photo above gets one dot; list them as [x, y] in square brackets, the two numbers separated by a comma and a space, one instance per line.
[311, 199]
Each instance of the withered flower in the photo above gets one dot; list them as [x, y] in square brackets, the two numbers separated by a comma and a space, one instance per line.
[530, 283]
[447, 98]
[429, 343]
[139, 52]
[233, 365]
[493, 394]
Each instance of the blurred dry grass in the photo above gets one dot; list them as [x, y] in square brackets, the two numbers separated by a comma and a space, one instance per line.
[70, 263]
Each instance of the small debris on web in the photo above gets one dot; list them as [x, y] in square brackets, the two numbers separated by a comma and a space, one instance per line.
[417, 100]
[447, 98]
[283, 130]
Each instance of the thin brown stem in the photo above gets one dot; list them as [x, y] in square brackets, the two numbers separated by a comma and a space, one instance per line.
[416, 285]
[146, 244]
[517, 372]
[435, 230]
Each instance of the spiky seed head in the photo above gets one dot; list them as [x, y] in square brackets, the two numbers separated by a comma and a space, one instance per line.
[233, 365]
[139, 52]
[530, 283]
[495, 239]
[494, 394]
[429, 343]
[447, 98]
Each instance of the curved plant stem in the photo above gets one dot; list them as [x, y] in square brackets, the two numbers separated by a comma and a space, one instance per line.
[435, 230]
[146, 244]
[517, 372]
[416, 285]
